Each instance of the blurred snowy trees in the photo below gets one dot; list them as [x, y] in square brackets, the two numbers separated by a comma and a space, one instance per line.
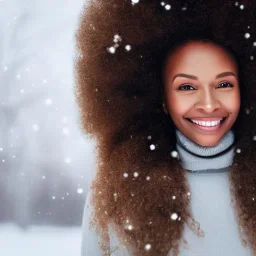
[45, 158]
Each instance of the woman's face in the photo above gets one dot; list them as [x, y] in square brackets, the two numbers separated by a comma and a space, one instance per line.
[201, 84]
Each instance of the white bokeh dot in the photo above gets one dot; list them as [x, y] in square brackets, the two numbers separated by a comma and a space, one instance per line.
[125, 175]
[147, 247]
[174, 216]
[128, 47]
[65, 131]
[48, 101]
[247, 35]
[67, 160]
[35, 127]
[111, 49]
[174, 154]
[80, 191]
[135, 174]
[152, 147]
[168, 7]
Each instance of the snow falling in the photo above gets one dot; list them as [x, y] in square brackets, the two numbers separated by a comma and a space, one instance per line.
[44, 158]
[45, 161]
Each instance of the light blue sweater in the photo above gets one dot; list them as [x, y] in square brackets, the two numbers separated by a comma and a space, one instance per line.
[210, 204]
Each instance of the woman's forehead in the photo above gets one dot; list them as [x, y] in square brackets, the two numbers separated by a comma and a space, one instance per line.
[198, 56]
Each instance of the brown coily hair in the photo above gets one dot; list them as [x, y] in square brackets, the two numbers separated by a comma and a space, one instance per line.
[121, 47]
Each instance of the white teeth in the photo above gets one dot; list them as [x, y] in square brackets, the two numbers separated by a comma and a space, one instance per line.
[206, 123]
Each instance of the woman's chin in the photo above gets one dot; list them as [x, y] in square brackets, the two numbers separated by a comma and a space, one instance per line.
[207, 143]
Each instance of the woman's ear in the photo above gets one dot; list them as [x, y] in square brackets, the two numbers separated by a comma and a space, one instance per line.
[165, 109]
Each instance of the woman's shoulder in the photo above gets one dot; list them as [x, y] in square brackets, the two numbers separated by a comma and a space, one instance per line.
[91, 240]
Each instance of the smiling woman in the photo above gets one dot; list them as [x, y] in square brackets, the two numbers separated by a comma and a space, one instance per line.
[203, 99]
[168, 92]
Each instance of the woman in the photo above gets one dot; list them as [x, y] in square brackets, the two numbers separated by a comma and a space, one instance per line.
[149, 73]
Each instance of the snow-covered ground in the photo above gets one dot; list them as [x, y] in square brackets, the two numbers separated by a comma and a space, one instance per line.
[39, 241]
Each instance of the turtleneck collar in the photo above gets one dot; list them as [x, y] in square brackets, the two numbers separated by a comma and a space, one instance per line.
[196, 158]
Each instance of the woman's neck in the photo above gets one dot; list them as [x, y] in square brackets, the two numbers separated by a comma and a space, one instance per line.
[196, 158]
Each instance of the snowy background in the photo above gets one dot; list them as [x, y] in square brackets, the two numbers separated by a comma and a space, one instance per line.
[44, 156]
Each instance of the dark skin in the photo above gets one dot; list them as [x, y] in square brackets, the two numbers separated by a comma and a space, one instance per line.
[201, 83]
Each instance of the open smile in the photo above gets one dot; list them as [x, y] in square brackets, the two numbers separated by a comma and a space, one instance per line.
[207, 125]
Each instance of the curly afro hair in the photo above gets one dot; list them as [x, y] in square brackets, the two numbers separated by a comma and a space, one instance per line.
[122, 47]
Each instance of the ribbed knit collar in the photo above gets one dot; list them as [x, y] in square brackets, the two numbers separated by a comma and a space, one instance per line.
[196, 158]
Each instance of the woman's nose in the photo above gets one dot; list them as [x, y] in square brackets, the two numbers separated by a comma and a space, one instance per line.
[208, 103]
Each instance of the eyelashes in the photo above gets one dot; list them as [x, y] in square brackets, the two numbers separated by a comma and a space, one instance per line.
[230, 85]
[187, 87]
[182, 87]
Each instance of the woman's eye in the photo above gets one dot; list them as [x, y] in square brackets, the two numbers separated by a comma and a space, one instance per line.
[185, 87]
[225, 85]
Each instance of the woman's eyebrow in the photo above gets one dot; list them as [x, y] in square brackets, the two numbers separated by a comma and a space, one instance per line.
[223, 74]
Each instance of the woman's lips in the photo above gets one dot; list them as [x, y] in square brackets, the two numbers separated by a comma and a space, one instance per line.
[207, 128]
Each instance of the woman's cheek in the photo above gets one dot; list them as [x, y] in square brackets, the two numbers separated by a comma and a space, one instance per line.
[233, 104]
[179, 107]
